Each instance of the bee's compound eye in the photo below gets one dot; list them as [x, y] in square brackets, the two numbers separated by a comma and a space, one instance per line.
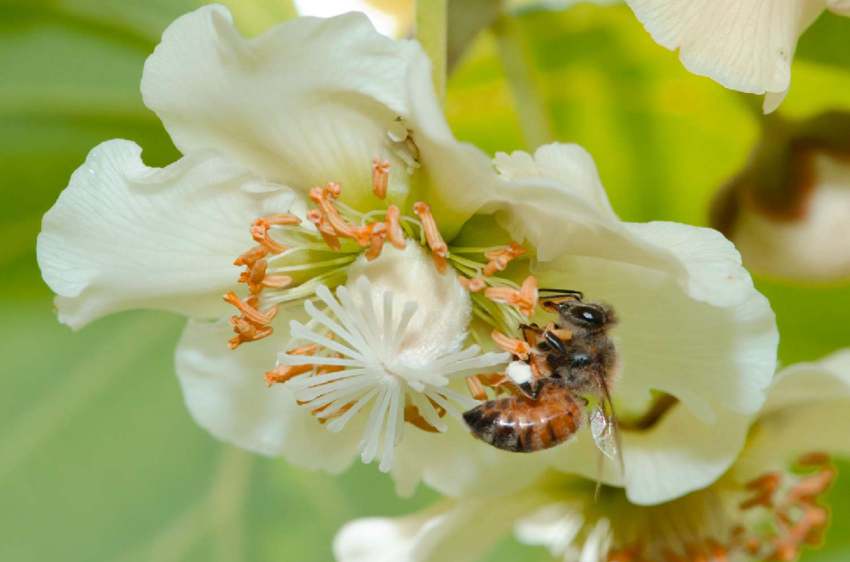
[580, 359]
[588, 315]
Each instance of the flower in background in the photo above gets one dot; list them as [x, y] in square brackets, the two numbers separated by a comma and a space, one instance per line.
[768, 506]
[377, 256]
[789, 210]
[745, 45]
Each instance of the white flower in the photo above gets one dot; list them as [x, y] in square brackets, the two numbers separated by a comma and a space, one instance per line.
[787, 210]
[745, 45]
[317, 155]
[763, 508]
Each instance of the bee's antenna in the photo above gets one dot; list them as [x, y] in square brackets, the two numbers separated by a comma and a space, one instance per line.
[578, 295]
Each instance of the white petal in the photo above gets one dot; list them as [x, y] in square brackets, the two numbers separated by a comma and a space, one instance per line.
[568, 166]
[808, 410]
[456, 463]
[557, 190]
[706, 337]
[123, 235]
[310, 101]
[554, 526]
[458, 176]
[227, 394]
[745, 45]
[458, 531]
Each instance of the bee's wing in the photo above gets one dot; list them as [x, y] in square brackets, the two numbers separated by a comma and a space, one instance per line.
[604, 429]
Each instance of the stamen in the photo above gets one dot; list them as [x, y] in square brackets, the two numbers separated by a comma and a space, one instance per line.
[246, 331]
[524, 299]
[249, 311]
[377, 235]
[325, 229]
[395, 234]
[260, 233]
[513, 346]
[323, 197]
[413, 417]
[476, 389]
[251, 256]
[764, 488]
[277, 281]
[472, 285]
[500, 258]
[380, 177]
[282, 219]
[283, 373]
[798, 518]
[439, 248]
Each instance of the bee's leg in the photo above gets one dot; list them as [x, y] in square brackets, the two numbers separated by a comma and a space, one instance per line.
[529, 389]
[531, 333]
[476, 389]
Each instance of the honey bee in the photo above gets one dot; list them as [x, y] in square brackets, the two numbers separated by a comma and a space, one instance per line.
[571, 360]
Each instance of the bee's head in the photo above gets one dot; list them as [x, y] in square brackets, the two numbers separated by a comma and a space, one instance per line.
[585, 317]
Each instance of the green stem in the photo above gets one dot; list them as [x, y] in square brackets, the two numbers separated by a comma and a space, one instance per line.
[431, 31]
[533, 117]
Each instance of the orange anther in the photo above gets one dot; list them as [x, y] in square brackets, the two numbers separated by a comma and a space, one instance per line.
[395, 234]
[325, 229]
[282, 219]
[323, 197]
[254, 276]
[249, 312]
[248, 258]
[283, 373]
[246, 331]
[260, 233]
[472, 285]
[499, 259]
[808, 488]
[377, 235]
[380, 177]
[476, 389]
[524, 299]
[764, 488]
[413, 417]
[517, 347]
[816, 459]
[277, 281]
[439, 248]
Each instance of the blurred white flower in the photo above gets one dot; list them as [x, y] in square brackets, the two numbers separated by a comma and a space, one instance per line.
[745, 45]
[769, 505]
[788, 211]
[318, 157]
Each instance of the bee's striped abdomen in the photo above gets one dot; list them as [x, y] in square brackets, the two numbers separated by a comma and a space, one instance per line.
[522, 425]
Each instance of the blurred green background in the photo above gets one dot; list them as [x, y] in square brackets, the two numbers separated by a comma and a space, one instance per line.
[99, 459]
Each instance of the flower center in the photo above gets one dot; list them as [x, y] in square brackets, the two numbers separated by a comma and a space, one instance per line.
[769, 518]
[291, 258]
